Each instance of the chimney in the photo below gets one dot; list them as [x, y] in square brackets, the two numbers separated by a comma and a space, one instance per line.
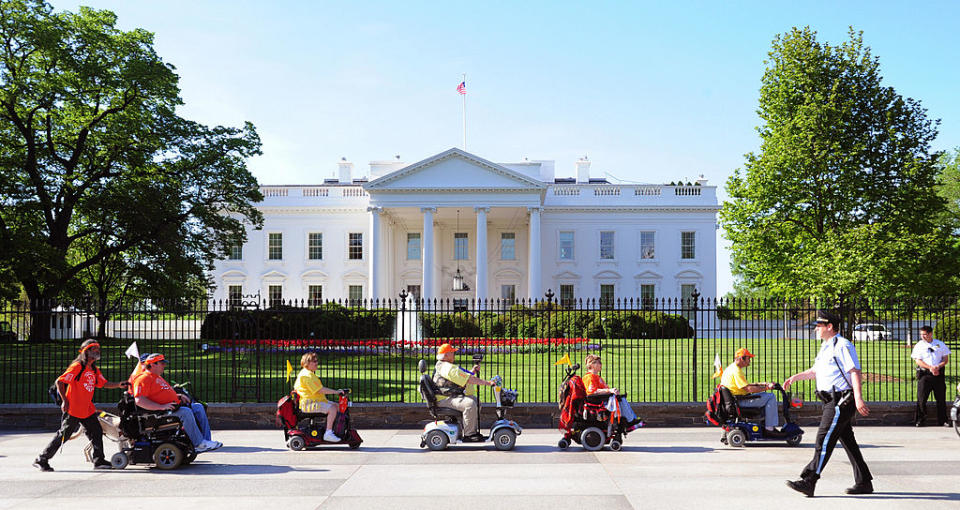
[346, 171]
[583, 171]
[702, 181]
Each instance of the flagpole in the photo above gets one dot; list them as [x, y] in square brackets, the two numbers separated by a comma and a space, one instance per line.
[464, 95]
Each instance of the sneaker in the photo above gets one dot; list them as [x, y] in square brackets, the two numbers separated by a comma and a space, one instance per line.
[635, 426]
[102, 465]
[330, 437]
[802, 486]
[42, 465]
[208, 446]
[474, 438]
[861, 488]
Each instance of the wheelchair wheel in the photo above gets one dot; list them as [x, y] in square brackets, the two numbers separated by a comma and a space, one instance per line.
[168, 456]
[616, 445]
[563, 444]
[794, 440]
[437, 440]
[736, 438]
[119, 460]
[505, 439]
[296, 443]
[592, 439]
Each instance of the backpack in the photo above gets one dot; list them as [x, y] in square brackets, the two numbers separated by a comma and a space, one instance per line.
[55, 394]
[715, 414]
[286, 412]
[570, 397]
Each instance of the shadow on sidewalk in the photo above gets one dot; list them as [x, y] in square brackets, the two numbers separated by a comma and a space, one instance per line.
[248, 449]
[904, 496]
[668, 449]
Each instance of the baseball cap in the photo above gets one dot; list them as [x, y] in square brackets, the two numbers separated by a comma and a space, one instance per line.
[445, 348]
[741, 352]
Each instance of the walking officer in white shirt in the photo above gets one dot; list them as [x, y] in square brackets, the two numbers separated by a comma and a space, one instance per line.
[931, 356]
[837, 371]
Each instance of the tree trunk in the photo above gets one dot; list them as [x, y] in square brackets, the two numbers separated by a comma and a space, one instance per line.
[40, 314]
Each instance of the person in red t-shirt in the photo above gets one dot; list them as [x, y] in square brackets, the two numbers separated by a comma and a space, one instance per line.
[76, 387]
[153, 393]
[595, 385]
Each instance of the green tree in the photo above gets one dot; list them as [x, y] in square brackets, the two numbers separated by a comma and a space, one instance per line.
[97, 168]
[949, 185]
[840, 201]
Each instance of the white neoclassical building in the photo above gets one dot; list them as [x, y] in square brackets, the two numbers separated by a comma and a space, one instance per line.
[512, 230]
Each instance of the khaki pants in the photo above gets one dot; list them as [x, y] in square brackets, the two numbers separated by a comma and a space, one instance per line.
[308, 405]
[469, 407]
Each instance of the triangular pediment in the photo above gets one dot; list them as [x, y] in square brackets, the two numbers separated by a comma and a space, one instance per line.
[454, 169]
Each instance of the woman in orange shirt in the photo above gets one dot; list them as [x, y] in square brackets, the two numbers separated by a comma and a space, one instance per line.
[595, 385]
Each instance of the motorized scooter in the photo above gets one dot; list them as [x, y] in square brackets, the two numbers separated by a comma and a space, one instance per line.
[955, 412]
[447, 426]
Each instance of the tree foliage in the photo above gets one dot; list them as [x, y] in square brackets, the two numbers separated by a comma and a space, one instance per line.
[841, 199]
[98, 172]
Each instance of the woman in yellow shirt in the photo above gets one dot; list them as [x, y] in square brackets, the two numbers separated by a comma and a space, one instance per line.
[313, 395]
[595, 385]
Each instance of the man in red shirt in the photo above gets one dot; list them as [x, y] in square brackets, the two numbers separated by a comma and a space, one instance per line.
[153, 393]
[75, 387]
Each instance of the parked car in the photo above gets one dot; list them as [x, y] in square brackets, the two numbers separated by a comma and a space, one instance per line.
[867, 332]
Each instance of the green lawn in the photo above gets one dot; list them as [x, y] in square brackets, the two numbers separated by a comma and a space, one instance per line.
[650, 370]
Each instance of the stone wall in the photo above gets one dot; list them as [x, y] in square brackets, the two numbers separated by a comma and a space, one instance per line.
[411, 416]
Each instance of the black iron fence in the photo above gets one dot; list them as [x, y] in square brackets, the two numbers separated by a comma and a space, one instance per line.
[658, 350]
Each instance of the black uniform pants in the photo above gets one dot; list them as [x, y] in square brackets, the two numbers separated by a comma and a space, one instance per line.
[91, 426]
[938, 385]
[836, 425]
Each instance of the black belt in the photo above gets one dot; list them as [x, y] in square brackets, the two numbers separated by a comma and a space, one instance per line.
[833, 396]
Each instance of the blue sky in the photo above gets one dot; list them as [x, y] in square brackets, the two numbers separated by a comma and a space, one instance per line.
[650, 92]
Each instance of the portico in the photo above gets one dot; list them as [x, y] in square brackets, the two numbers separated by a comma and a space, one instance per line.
[447, 207]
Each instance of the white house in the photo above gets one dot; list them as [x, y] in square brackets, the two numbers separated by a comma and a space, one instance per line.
[512, 230]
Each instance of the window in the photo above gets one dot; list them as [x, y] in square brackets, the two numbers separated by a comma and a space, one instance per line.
[566, 245]
[413, 246]
[315, 246]
[508, 293]
[356, 246]
[606, 245]
[647, 247]
[647, 296]
[688, 245]
[314, 295]
[414, 291]
[235, 295]
[508, 246]
[236, 252]
[275, 246]
[606, 296]
[275, 292]
[356, 295]
[566, 296]
[460, 246]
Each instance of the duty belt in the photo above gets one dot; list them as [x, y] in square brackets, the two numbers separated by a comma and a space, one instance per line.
[834, 396]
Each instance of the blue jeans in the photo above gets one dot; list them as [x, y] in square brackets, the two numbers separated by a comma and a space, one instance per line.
[189, 424]
[626, 412]
[768, 401]
[200, 415]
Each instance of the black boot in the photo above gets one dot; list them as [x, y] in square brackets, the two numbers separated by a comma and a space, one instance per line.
[861, 488]
[42, 464]
[802, 486]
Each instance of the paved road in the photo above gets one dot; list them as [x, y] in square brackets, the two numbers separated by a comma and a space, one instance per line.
[658, 468]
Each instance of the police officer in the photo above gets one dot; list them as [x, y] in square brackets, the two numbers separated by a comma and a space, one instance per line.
[931, 356]
[837, 371]
[458, 391]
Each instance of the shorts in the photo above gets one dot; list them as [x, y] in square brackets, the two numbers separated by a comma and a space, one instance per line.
[308, 405]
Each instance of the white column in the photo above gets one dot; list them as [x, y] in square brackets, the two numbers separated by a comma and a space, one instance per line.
[373, 291]
[481, 288]
[426, 287]
[533, 259]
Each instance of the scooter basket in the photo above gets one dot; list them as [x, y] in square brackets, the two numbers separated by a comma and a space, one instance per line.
[508, 398]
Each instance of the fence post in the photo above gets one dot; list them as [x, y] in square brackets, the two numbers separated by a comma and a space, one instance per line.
[694, 297]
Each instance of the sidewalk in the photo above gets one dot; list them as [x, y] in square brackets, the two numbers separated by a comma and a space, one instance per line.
[658, 468]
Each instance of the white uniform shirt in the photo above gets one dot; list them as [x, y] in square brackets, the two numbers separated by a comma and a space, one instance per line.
[829, 376]
[931, 353]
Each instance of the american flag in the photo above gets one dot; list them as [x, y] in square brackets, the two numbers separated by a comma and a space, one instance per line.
[462, 88]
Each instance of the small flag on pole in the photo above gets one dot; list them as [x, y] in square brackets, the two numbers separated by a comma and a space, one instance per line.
[462, 88]
[133, 351]
[718, 367]
[289, 370]
[565, 360]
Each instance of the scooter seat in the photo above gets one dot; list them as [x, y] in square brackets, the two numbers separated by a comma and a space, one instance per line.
[446, 414]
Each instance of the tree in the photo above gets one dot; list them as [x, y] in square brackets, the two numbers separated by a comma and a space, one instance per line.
[97, 168]
[949, 185]
[841, 200]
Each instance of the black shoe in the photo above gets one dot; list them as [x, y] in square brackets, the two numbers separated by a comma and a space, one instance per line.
[102, 465]
[42, 465]
[774, 434]
[802, 486]
[861, 488]
[475, 438]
